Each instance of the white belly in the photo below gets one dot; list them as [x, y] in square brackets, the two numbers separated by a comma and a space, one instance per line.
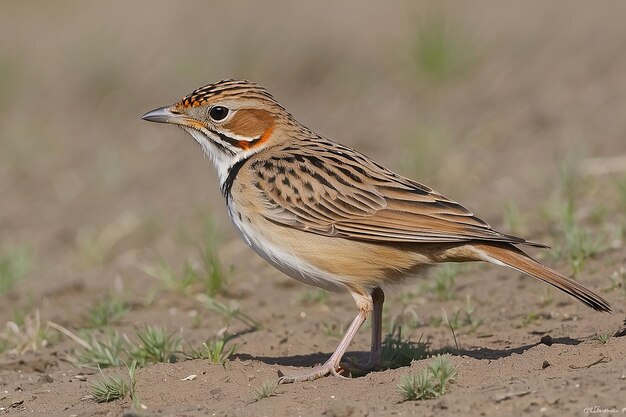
[282, 258]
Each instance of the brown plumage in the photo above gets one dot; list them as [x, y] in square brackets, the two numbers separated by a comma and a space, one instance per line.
[515, 258]
[327, 215]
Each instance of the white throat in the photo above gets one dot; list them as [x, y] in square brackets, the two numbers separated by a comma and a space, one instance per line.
[222, 162]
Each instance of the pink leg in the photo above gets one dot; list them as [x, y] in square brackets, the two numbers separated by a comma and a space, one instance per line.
[376, 351]
[331, 366]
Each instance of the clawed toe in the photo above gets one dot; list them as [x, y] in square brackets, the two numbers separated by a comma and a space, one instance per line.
[323, 370]
[332, 365]
[316, 373]
[337, 372]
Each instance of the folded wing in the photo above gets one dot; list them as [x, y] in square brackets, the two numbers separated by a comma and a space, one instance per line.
[325, 188]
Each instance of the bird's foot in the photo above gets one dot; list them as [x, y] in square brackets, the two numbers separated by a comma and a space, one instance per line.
[315, 373]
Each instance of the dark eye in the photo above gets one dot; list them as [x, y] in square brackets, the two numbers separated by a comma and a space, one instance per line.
[218, 113]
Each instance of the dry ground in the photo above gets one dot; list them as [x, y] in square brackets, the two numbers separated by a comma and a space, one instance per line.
[516, 111]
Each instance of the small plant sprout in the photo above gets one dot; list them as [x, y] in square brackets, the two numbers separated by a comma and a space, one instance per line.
[230, 312]
[102, 350]
[529, 319]
[114, 387]
[99, 350]
[216, 279]
[408, 318]
[132, 386]
[618, 280]
[578, 243]
[463, 318]
[30, 336]
[444, 282]
[436, 321]
[430, 383]
[470, 320]
[156, 346]
[110, 349]
[455, 322]
[107, 310]
[268, 389]
[398, 352]
[443, 372]
[602, 338]
[579, 246]
[215, 350]
[109, 388]
[165, 274]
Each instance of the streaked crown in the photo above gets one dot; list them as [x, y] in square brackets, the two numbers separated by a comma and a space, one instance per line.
[226, 88]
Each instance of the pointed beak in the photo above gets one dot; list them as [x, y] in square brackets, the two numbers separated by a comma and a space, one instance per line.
[162, 115]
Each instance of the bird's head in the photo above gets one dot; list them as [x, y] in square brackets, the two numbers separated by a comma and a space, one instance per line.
[230, 119]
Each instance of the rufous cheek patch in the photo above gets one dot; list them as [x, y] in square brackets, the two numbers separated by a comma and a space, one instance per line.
[250, 123]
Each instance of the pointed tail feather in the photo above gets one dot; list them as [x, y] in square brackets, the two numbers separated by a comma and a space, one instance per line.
[513, 257]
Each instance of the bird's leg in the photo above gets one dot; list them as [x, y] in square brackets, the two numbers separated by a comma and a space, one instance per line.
[375, 359]
[332, 365]
[378, 298]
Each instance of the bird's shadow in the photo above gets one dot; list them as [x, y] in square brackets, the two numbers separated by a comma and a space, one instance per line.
[494, 354]
[361, 356]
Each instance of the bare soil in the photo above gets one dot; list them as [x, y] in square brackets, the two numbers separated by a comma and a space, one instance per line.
[96, 194]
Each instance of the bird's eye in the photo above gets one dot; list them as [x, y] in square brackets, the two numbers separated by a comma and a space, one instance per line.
[218, 113]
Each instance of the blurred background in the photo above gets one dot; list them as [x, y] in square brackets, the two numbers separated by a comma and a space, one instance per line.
[497, 106]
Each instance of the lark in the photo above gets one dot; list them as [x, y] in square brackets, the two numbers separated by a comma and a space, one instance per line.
[329, 216]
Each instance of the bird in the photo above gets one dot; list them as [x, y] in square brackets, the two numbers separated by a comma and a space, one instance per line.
[327, 215]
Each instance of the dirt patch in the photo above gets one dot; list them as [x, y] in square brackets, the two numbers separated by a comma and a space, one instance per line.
[527, 119]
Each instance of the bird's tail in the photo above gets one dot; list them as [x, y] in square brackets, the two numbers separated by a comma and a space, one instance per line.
[513, 257]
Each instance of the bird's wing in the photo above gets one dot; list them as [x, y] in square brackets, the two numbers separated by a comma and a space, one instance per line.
[325, 188]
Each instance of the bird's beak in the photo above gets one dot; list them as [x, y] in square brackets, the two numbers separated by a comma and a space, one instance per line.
[162, 115]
